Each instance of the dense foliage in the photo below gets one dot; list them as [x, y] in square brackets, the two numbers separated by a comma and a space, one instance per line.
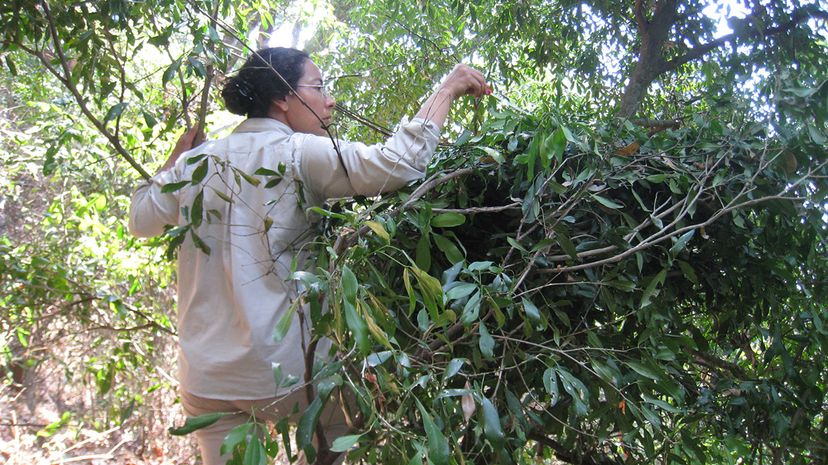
[621, 259]
[545, 289]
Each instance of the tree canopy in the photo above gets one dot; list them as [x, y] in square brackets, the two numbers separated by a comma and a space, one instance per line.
[619, 257]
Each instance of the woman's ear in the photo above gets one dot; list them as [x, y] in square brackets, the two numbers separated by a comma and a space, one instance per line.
[281, 104]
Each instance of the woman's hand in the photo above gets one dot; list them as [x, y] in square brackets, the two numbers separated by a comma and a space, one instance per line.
[465, 80]
[187, 141]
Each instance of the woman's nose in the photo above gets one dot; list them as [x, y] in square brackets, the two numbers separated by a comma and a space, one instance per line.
[330, 102]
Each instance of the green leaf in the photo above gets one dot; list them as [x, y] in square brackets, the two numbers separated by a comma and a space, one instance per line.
[566, 243]
[817, 136]
[250, 179]
[557, 144]
[357, 326]
[196, 423]
[438, 446]
[644, 370]
[606, 373]
[480, 266]
[195, 159]
[652, 288]
[453, 367]
[273, 183]
[661, 404]
[496, 156]
[307, 427]
[265, 172]
[409, 289]
[379, 230]
[197, 209]
[448, 220]
[149, 120]
[651, 417]
[431, 291]
[532, 312]
[486, 342]
[169, 73]
[349, 284]
[199, 173]
[255, 453]
[491, 423]
[453, 254]
[115, 111]
[423, 253]
[198, 242]
[285, 321]
[550, 382]
[576, 389]
[516, 244]
[471, 310]
[681, 243]
[235, 436]
[688, 271]
[461, 290]
[607, 202]
[345, 443]
[173, 186]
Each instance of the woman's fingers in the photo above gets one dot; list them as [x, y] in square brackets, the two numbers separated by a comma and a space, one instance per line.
[465, 80]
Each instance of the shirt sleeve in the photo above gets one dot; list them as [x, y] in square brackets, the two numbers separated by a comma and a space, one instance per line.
[150, 209]
[360, 169]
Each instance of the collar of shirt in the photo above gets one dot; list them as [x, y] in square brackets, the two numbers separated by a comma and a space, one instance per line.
[263, 125]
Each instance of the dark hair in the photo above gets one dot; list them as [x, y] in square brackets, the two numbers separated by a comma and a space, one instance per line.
[255, 86]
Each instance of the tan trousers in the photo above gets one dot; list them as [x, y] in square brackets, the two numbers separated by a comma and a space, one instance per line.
[270, 410]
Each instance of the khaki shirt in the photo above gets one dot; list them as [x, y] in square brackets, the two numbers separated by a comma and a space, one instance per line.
[230, 300]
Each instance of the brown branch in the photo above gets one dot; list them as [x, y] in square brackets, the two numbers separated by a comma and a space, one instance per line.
[640, 18]
[66, 79]
[210, 73]
[473, 210]
[654, 241]
[712, 362]
[566, 455]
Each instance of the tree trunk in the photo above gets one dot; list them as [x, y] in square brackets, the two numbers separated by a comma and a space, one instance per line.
[653, 34]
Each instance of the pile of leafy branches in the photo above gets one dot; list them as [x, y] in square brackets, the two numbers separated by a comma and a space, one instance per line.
[545, 293]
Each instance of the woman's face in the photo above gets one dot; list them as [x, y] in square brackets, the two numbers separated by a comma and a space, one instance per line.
[313, 118]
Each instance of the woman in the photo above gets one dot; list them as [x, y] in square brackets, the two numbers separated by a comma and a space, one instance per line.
[246, 206]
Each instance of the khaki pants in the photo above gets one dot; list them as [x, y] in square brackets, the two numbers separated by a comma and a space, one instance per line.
[270, 410]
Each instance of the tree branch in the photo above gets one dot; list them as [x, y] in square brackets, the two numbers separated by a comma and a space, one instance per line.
[66, 79]
[640, 18]
[565, 454]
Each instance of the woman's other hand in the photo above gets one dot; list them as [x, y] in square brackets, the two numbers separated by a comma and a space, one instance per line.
[189, 140]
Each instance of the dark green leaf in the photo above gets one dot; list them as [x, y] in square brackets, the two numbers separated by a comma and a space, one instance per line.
[196, 423]
[307, 427]
[199, 173]
[235, 436]
[173, 186]
[438, 446]
[491, 423]
[115, 111]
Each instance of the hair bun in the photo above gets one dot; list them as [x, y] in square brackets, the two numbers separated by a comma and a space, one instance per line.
[239, 96]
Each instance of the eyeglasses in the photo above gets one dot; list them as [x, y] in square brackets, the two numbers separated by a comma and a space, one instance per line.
[322, 88]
